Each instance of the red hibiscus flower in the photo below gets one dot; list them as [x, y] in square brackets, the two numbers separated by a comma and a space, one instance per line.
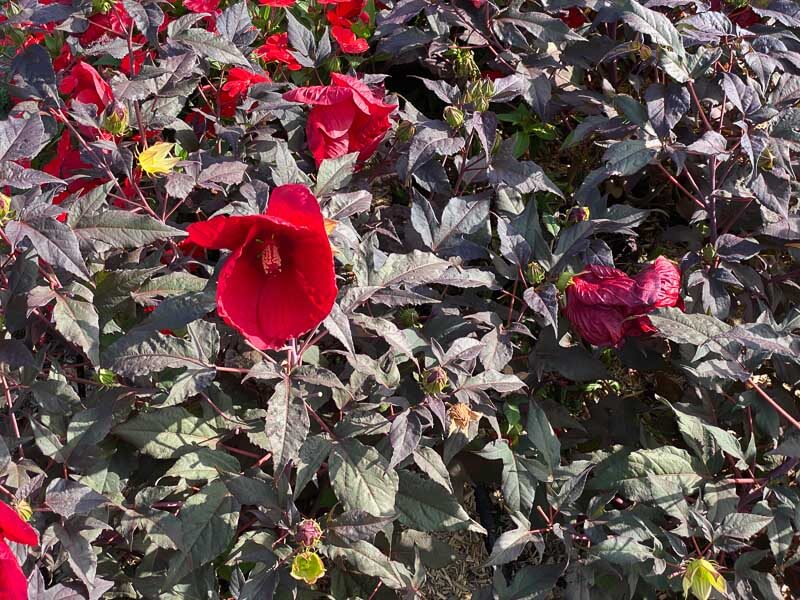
[202, 6]
[349, 10]
[277, 3]
[279, 280]
[276, 49]
[605, 305]
[235, 88]
[573, 17]
[346, 116]
[13, 584]
[66, 163]
[743, 17]
[348, 41]
[84, 84]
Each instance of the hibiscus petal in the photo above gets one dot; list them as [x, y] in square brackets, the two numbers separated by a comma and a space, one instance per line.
[599, 325]
[295, 204]
[13, 585]
[323, 95]
[13, 528]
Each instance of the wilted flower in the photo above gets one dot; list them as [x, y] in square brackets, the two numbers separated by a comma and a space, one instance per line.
[346, 116]
[279, 281]
[308, 533]
[307, 566]
[156, 159]
[461, 417]
[24, 510]
[405, 131]
[434, 380]
[535, 273]
[701, 577]
[13, 528]
[605, 305]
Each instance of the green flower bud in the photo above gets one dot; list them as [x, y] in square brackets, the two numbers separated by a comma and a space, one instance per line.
[464, 64]
[6, 212]
[106, 377]
[117, 120]
[454, 116]
[434, 381]
[709, 253]
[102, 6]
[409, 317]
[564, 281]
[405, 131]
[535, 273]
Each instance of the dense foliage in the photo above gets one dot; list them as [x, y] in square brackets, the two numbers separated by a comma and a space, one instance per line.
[293, 290]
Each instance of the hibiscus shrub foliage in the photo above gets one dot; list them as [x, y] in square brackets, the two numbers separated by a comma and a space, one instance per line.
[298, 293]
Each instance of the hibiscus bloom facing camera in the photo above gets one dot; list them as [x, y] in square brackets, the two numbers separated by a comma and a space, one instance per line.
[13, 584]
[235, 88]
[276, 49]
[346, 116]
[279, 281]
[605, 305]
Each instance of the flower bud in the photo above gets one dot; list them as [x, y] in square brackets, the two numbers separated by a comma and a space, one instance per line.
[464, 64]
[102, 6]
[307, 566]
[405, 131]
[106, 377]
[409, 317]
[454, 116]
[578, 214]
[6, 213]
[564, 280]
[535, 273]
[709, 253]
[117, 120]
[434, 380]
[701, 577]
[24, 510]
[308, 533]
[478, 96]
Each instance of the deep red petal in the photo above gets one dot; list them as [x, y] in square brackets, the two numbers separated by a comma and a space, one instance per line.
[14, 529]
[13, 585]
[598, 325]
[319, 94]
[295, 204]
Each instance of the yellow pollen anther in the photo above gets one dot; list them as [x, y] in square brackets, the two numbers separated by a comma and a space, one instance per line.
[270, 258]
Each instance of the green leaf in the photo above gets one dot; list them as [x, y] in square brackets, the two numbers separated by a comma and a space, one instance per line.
[171, 284]
[208, 519]
[56, 243]
[520, 475]
[122, 229]
[212, 47]
[334, 174]
[286, 425]
[425, 505]
[367, 559]
[629, 471]
[414, 268]
[355, 525]
[360, 479]
[683, 328]
[203, 464]
[542, 436]
[509, 546]
[623, 551]
[77, 320]
[742, 526]
[168, 432]
[628, 157]
[532, 582]
[147, 352]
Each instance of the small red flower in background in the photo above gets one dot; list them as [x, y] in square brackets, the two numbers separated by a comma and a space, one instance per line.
[66, 163]
[573, 17]
[84, 84]
[605, 305]
[277, 3]
[201, 6]
[342, 18]
[743, 17]
[279, 281]
[235, 88]
[13, 584]
[276, 49]
[346, 116]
